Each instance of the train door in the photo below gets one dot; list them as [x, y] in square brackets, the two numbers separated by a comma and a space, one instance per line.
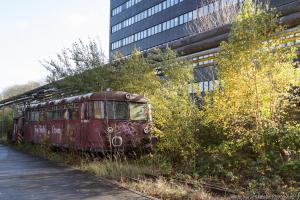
[117, 115]
[13, 138]
[85, 116]
[99, 126]
[18, 132]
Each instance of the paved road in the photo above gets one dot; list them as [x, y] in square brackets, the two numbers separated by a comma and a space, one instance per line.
[24, 177]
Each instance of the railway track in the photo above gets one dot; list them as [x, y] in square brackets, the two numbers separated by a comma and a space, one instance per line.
[214, 189]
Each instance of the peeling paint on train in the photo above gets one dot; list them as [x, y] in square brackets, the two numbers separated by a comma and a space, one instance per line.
[107, 121]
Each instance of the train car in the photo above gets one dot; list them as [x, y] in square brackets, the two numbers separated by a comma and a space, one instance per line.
[101, 122]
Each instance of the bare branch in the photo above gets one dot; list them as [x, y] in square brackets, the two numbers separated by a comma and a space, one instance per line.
[212, 14]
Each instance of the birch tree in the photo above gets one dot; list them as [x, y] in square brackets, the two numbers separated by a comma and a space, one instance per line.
[257, 71]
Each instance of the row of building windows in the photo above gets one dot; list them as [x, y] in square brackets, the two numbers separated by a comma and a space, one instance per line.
[153, 30]
[208, 86]
[124, 6]
[143, 15]
[203, 60]
[202, 87]
[187, 17]
[293, 39]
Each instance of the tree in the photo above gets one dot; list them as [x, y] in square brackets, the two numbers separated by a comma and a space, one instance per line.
[164, 79]
[256, 73]
[6, 115]
[157, 74]
[223, 13]
[79, 68]
[6, 123]
[18, 89]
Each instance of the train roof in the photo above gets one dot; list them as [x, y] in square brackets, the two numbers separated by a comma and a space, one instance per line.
[108, 95]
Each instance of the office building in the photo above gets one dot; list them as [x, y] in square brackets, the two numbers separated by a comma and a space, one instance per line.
[146, 24]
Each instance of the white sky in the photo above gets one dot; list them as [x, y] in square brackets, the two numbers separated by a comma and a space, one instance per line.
[34, 30]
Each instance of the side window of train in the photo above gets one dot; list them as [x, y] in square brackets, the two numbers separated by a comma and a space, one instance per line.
[41, 116]
[49, 115]
[90, 109]
[99, 110]
[83, 111]
[28, 115]
[37, 116]
[66, 114]
[73, 112]
[32, 116]
[86, 111]
[55, 115]
[44, 115]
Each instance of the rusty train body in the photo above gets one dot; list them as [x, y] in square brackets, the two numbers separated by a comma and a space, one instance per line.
[106, 121]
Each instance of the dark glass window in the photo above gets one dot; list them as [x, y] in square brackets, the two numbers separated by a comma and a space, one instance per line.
[121, 110]
[73, 114]
[49, 115]
[110, 110]
[42, 116]
[117, 110]
[56, 115]
[98, 109]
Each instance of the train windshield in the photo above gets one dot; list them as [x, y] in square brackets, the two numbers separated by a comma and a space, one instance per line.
[117, 110]
[139, 111]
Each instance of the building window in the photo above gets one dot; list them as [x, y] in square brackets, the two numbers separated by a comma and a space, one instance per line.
[205, 10]
[206, 86]
[124, 6]
[147, 13]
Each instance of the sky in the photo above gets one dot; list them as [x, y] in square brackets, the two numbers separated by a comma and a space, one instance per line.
[36, 30]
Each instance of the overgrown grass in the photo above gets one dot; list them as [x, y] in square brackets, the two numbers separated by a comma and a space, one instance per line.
[130, 173]
[116, 169]
[3, 138]
[163, 189]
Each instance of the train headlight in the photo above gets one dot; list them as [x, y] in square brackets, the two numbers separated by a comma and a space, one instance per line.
[110, 129]
[128, 96]
[117, 141]
[147, 130]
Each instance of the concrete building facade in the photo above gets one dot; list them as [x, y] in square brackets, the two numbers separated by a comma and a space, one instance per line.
[146, 24]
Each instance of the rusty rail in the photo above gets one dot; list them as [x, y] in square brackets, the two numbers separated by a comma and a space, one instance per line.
[214, 189]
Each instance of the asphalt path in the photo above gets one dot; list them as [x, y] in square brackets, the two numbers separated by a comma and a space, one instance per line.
[25, 177]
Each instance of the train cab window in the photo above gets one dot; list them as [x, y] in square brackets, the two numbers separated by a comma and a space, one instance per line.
[139, 111]
[98, 109]
[110, 110]
[121, 110]
[117, 110]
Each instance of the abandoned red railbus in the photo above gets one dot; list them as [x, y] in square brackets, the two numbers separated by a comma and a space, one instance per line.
[105, 121]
